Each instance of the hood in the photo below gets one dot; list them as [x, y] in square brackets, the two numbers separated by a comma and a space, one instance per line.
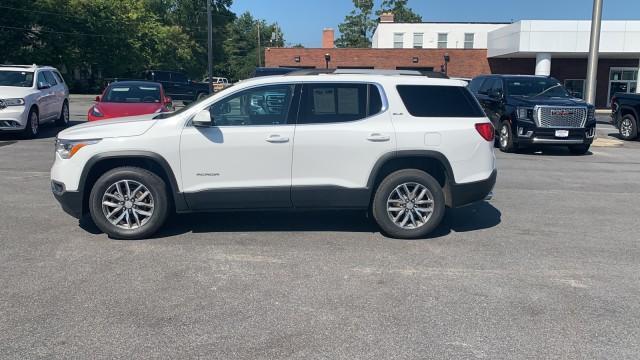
[111, 110]
[122, 127]
[10, 92]
[531, 102]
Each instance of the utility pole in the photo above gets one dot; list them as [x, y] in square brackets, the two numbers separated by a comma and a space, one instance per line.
[210, 46]
[594, 48]
[259, 60]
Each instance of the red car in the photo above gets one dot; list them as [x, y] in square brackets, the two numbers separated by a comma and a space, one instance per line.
[130, 98]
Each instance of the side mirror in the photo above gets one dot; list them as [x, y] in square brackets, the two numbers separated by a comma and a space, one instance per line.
[97, 98]
[495, 94]
[203, 119]
[43, 85]
[168, 100]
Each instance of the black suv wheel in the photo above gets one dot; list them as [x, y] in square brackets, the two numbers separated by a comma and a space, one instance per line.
[129, 203]
[505, 138]
[408, 204]
[628, 127]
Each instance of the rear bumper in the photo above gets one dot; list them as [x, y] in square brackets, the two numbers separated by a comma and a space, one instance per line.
[71, 201]
[469, 193]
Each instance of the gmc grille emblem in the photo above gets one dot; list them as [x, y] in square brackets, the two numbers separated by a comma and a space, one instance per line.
[561, 112]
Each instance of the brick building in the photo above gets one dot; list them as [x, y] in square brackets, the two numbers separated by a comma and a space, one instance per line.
[555, 47]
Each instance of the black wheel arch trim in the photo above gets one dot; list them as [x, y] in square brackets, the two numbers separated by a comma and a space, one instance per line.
[178, 198]
[630, 108]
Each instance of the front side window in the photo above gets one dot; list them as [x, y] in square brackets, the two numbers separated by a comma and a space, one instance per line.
[162, 76]
[475, 84]
[180, 78]
[132, 94]
[41, 78]
[486, 86]
[575, 87]
[338, 102]
[468, 40]
[442, 40]
[398, 40]
[50, 79]
[439, 101]
[535, 87]
[265, 105]
[417, 40]
[16, 78]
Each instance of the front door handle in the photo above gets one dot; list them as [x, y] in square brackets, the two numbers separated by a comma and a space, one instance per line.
[275, 138]
[376, 137]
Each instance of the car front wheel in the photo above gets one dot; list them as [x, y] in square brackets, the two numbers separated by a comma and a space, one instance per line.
[129, 203]
[505, 137]
[32, 128]
[408, 204]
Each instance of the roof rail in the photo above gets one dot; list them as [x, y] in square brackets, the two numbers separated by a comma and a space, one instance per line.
[20, 66]
[365, 72]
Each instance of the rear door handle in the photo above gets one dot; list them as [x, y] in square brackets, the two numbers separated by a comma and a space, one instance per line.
[375, 137]
[275, 138]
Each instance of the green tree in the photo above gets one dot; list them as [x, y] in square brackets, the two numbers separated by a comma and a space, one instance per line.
[357, 27]
[401, 12]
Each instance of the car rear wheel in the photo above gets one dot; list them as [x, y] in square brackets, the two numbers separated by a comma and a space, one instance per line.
[408, 204]
[63, 120]
[628, 127]
[129, 203]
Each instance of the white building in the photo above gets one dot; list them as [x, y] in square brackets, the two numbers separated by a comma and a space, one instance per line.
[544, 47]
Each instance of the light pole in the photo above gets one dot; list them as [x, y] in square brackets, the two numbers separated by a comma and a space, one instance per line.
[594, 47]
[446, 63]
[259, 55]
[209, 46]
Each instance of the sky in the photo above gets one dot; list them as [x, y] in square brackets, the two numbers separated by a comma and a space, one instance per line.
[302, 21]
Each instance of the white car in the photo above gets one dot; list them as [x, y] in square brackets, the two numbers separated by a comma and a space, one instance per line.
[404, 147]
[32, 95]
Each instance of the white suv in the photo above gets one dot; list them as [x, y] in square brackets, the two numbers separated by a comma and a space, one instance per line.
[402, 146]
[31, 95]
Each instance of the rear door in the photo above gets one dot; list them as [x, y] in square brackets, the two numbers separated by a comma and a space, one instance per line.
[342, 130]
[182, 87]
[45, 97]
[57, 92]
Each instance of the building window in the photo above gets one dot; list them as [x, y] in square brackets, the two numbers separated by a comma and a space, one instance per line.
[575, 87]
[398, 40]
[442, 41]
[417, 40]
[468, 40]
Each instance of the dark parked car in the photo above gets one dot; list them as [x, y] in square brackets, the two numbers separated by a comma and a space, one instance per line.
[535, 110]
[177, 85]
[625, 109]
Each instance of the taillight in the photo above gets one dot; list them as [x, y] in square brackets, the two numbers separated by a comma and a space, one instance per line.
[486, 131]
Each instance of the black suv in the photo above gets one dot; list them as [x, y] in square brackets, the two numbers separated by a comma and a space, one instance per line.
[534, 110]
[177, 85]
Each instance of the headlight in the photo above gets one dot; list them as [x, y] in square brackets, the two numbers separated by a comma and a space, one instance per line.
[67, 148]
[525, 113]
[14, 102]
[95, 112]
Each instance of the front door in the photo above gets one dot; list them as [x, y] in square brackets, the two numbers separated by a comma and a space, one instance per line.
[343, 129]
[244, 161]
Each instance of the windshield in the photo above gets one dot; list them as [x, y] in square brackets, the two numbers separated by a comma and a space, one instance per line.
[16, 78]
[132, 94]
[535, 87]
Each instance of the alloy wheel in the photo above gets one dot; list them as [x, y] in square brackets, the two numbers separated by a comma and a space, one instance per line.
[127, 204]
[626, 128]
[34, 123]
[410, 205]
[65, 113]
[504, 137]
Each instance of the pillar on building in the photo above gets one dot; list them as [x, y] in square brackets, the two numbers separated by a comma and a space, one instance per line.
[543, 64]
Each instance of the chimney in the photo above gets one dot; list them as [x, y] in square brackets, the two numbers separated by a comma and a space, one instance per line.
[386, 17]
[327, 38]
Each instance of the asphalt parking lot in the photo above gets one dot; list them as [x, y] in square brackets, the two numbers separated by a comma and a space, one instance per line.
[550, 268]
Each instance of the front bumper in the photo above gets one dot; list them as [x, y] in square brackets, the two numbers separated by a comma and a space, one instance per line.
[71, 201]
[529, 134]
[13, 118]
[469, 193]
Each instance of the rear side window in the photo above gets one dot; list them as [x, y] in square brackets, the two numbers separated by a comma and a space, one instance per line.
[58, 77]
[338, 102]
[439, 101]
[475, 84]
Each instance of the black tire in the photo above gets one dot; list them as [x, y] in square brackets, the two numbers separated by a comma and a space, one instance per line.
[31, 131]
[579, 149]
[63, 119]
[507, 145]
[157, 189]
[628, 127]
[389, 185]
